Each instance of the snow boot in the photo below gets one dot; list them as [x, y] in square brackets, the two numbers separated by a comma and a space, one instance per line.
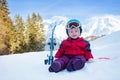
[55, 67]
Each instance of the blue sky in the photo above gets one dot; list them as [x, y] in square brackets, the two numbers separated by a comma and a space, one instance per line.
[70, 8]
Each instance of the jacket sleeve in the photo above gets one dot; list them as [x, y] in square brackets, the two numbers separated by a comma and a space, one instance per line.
[88, 53]
[61, 50]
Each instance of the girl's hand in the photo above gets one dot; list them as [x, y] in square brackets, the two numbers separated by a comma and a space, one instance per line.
[91, 60]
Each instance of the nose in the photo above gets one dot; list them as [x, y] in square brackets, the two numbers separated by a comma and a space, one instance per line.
[74, 32]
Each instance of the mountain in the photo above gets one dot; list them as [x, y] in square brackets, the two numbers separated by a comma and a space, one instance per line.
[101, 25]
[60, 22]
[94, 26]
[30, 66]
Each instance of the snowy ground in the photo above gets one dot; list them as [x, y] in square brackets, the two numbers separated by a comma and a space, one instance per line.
[30, 66]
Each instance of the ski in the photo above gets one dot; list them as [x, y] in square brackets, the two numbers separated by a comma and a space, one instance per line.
[104, 58]
[52, 43]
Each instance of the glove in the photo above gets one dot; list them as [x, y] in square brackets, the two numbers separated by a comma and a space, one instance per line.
[91, 60]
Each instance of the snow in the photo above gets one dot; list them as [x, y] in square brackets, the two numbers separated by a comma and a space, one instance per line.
[60, 33]
[95, 26]
[100, 25]
[30, 66]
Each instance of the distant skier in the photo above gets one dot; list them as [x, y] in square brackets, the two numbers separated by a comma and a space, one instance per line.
[74, 51]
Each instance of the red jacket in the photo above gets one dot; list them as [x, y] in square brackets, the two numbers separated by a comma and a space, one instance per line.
[74, 47]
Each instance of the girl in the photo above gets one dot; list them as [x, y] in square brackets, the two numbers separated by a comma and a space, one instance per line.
[74, 51]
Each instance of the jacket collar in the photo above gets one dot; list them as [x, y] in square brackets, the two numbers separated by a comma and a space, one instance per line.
[78, 39]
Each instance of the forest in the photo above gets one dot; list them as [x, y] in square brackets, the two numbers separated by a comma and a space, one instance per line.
[18, 35]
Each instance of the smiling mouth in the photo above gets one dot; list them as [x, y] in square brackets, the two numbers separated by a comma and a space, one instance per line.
[74, 35]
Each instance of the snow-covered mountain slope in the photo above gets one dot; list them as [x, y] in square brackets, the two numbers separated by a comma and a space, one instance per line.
[30, 66]
[107, 45]
[60, 23]
[95, 26]
[102, 25]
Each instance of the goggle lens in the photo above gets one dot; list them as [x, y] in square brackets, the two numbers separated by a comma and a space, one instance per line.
[72, 25]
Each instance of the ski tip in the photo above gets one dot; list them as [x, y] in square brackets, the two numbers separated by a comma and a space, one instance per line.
[104, 58]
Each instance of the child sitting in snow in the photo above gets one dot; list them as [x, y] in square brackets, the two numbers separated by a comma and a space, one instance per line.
[74, 51]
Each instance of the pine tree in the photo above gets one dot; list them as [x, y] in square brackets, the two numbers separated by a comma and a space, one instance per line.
[6, 26]
[31, 34]
[19, 23]
[5, 6]
[17, 40]
[34, 34]
[41, 35]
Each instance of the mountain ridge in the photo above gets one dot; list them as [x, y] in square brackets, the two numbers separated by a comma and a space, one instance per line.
[94, 26]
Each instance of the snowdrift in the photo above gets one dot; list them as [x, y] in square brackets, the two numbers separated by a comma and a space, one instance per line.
[30, 66]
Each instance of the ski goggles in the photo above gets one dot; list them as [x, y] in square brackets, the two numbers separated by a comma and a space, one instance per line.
[72, 25]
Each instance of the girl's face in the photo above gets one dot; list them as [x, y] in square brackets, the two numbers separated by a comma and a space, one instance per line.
[74, 32]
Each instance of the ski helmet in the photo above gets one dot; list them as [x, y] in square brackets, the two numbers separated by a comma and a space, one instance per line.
[72, 23]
